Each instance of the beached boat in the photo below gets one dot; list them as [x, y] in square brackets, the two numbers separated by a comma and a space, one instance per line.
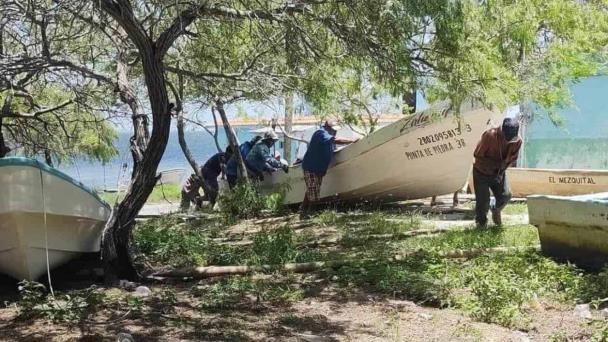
[46, 218]
[572, 228]
[525, 182]
[426, 154]
[171, 176]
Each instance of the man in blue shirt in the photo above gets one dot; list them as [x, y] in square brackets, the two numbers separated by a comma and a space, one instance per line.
[232, 167]
[316, 162]
[260, 159]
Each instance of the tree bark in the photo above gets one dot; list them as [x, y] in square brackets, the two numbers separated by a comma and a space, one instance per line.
[233, 141]
[409, 100]
[116, 240]
[288, 126]
[4, 150]
[290, 42]
[141, 136]
[181, 137]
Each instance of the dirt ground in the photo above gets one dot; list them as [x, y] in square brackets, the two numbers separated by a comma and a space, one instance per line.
[327, 316]
[324, 313]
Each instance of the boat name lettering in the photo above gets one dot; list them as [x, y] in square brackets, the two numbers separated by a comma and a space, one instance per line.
[441, 136]
[572, 180]
[422, 119]
[435, 149]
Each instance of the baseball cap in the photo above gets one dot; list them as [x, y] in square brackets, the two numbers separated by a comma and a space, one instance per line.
[332, 124]
[510, 128]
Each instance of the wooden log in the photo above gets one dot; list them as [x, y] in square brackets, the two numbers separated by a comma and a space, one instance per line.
[217, 271]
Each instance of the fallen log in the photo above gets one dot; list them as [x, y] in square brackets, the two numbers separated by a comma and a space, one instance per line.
[217, 271]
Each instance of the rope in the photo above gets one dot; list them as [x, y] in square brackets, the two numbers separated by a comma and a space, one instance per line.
[162, 189]
[46, 234]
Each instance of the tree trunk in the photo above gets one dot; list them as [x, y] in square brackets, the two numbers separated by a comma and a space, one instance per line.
[184, 145]
[290, 42]
[4, 150]
[233, 141]
[288, 126]
[116, 240]
[409, 100]
[141, 135]
[215, 132]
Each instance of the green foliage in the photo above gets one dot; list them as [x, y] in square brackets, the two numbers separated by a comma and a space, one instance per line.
[245, 201]
[65, 133]
[514, 236]
[594, 288]
[601, 332]
[274, 247]
[274, 203]
[515, 209]
[242, 202]
[229, 292]
[69, 308]
[501, 286]
[326, 218]
[167, 241]
[414, 279]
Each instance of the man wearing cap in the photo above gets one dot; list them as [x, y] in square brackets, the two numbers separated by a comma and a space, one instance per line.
[260, 159]
[496, 151]
[316, 162]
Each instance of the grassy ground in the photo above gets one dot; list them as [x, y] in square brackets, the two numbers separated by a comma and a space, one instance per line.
[381, 285]
[160, 194]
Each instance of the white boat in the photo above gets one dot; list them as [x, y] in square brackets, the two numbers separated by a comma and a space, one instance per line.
[171, 176]
[45, 216]
[525, 182]
[573, 228]
[422, 155]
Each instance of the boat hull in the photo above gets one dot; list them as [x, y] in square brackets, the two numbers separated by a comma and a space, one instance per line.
[45, 210]
[572, 228]
[424, 155]
[526, 182]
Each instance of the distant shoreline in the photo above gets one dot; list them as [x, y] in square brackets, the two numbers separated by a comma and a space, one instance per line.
[300, 120]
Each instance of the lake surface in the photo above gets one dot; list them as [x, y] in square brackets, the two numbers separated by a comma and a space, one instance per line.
[100, 176]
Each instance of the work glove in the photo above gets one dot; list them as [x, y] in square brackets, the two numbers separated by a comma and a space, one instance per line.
[285, 168]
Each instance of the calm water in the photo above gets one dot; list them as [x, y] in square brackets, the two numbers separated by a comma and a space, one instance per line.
[97, 175]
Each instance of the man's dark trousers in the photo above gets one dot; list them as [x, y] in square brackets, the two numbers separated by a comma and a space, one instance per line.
[483, 184]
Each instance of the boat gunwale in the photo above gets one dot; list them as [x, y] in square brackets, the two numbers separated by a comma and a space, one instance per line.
[436, 115]
[22, 161]
[530, 169]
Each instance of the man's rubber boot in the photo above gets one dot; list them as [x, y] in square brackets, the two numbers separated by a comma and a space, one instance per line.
[496, 217]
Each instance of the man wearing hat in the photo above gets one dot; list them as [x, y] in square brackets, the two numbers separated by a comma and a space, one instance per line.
[316, 162]
[260, 159]
[496, 151]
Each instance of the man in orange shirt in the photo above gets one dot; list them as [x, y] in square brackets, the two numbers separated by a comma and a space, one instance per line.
[496, 151]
